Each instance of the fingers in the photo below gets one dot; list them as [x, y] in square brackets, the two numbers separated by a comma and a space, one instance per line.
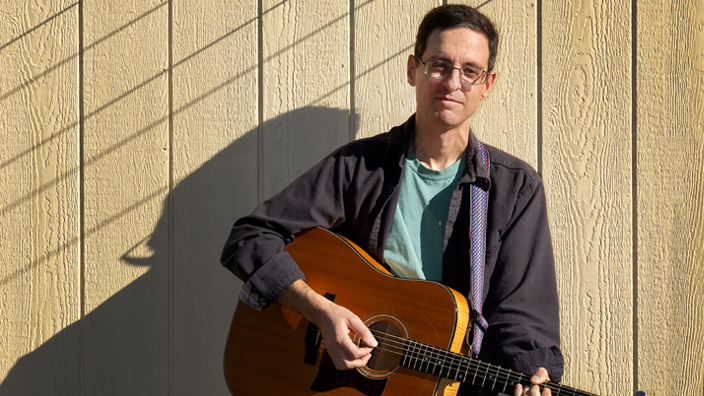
[335, 324]
[357, 326]
[533, 390]
[539, 377]
[336, 329]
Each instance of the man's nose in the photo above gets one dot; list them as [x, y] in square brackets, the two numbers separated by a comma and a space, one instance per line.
[453, 81]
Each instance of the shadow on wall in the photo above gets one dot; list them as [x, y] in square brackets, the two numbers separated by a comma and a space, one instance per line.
[167, 329]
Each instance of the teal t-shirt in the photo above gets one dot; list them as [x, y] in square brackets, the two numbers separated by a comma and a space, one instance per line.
[414, 247]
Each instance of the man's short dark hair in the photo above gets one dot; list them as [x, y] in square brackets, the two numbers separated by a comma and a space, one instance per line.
[453, 16]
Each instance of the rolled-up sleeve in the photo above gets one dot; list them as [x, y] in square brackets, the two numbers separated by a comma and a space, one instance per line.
[254, 250]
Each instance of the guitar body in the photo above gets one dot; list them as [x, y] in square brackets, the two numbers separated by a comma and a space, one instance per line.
[277, 351]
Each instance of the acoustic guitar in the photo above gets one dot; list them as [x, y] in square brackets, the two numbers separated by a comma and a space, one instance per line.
[420, 326]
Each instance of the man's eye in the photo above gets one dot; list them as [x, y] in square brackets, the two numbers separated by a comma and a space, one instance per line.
[470, 72]
[439, 65]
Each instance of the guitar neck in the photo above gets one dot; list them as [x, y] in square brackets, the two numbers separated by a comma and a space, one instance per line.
[428, 359]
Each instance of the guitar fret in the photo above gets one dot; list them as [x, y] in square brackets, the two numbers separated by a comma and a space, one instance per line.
[450, 358]
[476, 371]
[406, 356]
[442, 362]
[420, 358]
[508, 378]
[413, 357]
[463, 377]
[458, 365]
[431, 360]
[486, 374]
[516, 379]
[436, 362]
[425, 359]
[457, 361]
[498, 369]
[447, 359]
[520, 379]
[458, 373]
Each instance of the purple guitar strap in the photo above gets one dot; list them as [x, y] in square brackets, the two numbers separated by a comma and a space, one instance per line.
[480, 202]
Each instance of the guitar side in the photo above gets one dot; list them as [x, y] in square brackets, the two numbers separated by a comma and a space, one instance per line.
[267, 352]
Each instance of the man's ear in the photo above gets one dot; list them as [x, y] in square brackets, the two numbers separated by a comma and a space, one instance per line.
[488, 84]
[411, 70]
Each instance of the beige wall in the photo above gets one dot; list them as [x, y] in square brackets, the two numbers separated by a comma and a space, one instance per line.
[134, 133]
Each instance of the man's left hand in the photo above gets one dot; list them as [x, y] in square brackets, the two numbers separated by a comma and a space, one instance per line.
[540, 376]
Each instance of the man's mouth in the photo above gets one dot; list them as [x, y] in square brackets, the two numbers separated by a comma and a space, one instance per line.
[445, 99]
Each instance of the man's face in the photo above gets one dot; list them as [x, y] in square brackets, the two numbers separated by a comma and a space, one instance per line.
[449, 103]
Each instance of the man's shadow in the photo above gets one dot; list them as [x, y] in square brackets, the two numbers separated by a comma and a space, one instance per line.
[168, 328]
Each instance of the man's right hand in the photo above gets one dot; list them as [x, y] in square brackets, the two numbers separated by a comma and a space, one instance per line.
[335, 322]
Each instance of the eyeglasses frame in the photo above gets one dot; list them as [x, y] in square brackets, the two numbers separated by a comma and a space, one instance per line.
[484, 77]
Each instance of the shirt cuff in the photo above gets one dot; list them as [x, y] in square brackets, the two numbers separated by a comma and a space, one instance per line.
[270, 280]
[549, 357]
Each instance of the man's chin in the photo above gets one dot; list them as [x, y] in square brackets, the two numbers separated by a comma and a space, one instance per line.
[451, 119]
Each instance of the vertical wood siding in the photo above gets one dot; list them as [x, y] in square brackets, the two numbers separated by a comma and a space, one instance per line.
[587, 172]
[40, 275]
[125, 332]
[133, 133]
[214, 177]
[670, 184]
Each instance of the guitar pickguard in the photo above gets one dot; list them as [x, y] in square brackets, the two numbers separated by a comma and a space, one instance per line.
[329, 378]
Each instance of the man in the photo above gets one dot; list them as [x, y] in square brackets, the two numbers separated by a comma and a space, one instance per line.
[379, 192]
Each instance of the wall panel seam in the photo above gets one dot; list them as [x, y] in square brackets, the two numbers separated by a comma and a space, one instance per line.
[170, 200]
[634, 181]
[260, 99]
[81, 204]
[539, 84]
[353, 110]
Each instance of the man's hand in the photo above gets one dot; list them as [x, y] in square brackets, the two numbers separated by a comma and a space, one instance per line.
[335, 323]
[540, 376]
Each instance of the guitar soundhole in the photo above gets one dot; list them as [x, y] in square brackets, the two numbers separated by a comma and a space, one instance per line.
[387, 355]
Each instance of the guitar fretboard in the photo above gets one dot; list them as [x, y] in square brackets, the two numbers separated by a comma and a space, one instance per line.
[428, 359]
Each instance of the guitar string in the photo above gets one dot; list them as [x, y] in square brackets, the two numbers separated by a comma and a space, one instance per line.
[445, 359]
[396, 345]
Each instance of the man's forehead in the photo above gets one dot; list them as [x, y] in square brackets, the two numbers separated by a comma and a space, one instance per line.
[461, 41]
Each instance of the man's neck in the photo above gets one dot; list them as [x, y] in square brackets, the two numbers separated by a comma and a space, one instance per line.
[439, 148]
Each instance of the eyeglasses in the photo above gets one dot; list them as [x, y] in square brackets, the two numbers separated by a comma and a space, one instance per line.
[440, 70]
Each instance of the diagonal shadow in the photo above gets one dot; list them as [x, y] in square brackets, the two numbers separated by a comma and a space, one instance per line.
[73, 125]
[110, 35]
[122, 96]
[126, 341]
[75, 56]
[28, 151]
[46, 21]
[483, 4]
[124, 142]
[75, 241]
[74, 171]
[366, 72]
